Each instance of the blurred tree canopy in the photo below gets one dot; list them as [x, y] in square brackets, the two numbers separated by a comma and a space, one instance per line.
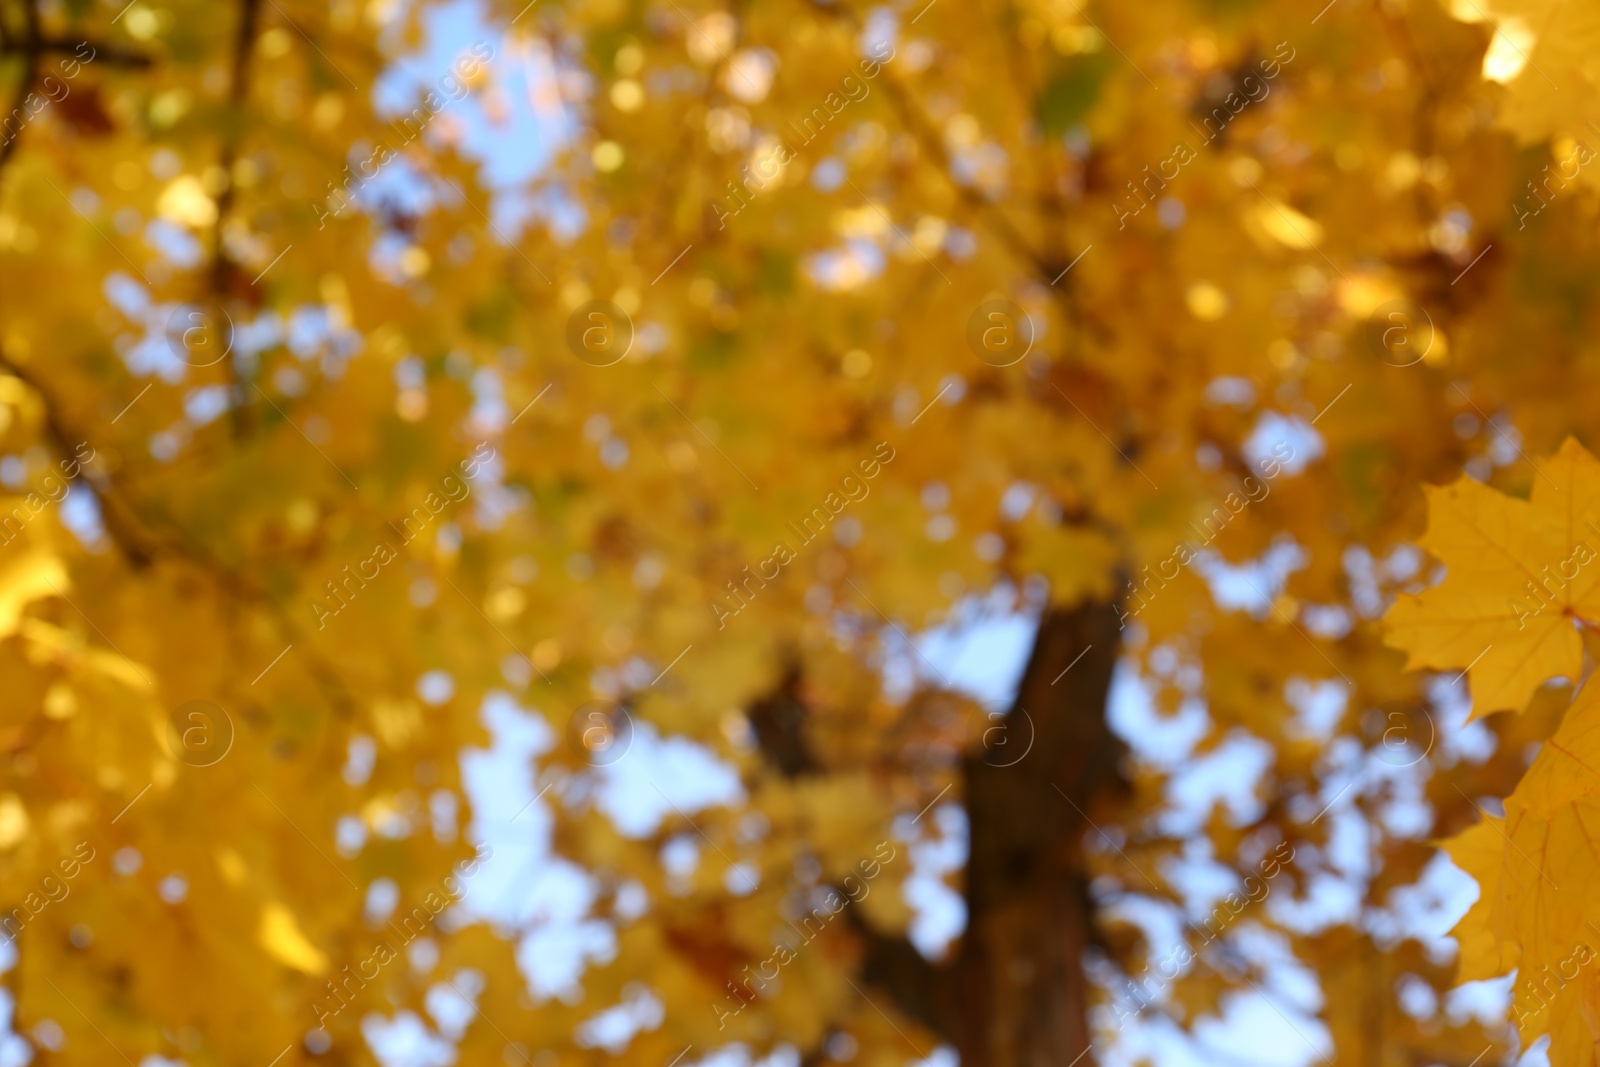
[666, 370]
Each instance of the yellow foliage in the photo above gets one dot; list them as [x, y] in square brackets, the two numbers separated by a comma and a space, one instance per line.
[709, 368]
[280, 936]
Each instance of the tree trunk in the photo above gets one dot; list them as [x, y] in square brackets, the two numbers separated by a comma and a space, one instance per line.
[1017, 995]
[1014, 994]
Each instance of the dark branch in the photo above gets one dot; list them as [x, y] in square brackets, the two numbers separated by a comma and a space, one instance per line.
[110, 54]
[30, 75]
[919, 987]
[779, 724]
[222, 267]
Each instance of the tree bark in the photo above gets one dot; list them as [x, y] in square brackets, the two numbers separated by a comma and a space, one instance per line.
[1017, 995]
[1014, 993]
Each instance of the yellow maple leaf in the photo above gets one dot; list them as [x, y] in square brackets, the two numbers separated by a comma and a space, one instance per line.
[1487, 950]
[1521, 576]
[1538, 909]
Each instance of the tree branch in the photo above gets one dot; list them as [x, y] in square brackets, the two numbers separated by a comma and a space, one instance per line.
[919, 987]
[110, 54]
[240, 418]
[30, 74]
[779, 724]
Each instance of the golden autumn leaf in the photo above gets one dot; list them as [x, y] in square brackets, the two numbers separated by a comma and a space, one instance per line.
[1538, 870]
[1519, 581]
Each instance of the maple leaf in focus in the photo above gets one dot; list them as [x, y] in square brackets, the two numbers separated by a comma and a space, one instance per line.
[1520, 579]
[1538, 909]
